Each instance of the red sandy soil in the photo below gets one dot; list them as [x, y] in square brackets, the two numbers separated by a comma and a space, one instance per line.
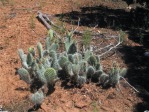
[16, 32]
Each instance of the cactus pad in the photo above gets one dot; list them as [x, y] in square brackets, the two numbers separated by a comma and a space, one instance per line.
[90, 71]
[62, 61]
[37, 98]
[24, 75]
[51, 76]
[40, 50]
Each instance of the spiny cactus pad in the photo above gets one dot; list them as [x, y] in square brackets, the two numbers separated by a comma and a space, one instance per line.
[90, 71]
[48, 40]
[62, 61]
[68, 68]
[22, 55]
[54, 46]
[87, 54]
[24, 75]
[103, 79]
[123, 72]
[76, 69]
[72, 48]
[81, 81]
[51, 76]
[40, 74]
[32, 51]
[37, 98]
[29, 59]
[92, 60]
[40, 50]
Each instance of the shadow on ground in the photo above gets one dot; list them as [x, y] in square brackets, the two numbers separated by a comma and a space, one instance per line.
[138, 73]
[135, 23]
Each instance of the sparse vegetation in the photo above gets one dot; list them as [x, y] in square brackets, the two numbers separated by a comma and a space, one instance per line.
[77, 68]
[74, 67]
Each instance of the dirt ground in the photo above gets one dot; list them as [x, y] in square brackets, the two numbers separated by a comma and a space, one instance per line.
[20, 29]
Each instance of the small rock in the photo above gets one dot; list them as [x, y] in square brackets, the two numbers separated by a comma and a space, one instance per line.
[146, 54]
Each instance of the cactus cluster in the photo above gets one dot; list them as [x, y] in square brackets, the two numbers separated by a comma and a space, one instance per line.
[77, 67]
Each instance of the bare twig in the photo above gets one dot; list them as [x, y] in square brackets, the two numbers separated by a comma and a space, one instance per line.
[130, 84]
[119, 42]
[77, 25]
[103, 48]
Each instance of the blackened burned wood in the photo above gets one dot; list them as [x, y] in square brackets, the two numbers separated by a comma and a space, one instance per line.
[44, 20]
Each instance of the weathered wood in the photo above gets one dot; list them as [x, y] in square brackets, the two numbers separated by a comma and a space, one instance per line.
[44, 20]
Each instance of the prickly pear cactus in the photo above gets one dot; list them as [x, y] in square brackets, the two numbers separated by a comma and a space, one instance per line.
[46, 62]
[76, 58]
[76, 69]
[22, 55]
[83, 66]
[72, 48]
[70, 58]
[87, 54]
[48, 43]
[32, 51]
[40, 50]
[81, 80]
[24, 75]
[54, 63]
[97, 74]
[90, 72]
[123, 72]
[23, 58]
[51, 76]
[68, 69]
[37, 98]
[54, 46]
[103, 79]
[114, 76]
[92, 60]
[62, 61]
[45, 53]
[53, 54]
[29, 59]
[40, 74]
